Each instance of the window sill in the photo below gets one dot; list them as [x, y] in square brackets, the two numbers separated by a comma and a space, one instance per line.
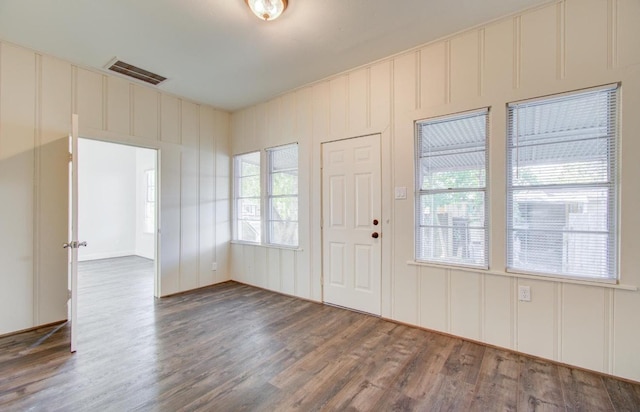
[292, 248]
[526, 276]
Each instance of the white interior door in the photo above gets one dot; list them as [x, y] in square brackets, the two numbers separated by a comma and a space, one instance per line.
[351, 229]
[73, 244]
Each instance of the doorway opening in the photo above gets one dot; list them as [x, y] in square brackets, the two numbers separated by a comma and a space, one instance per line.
[117, 217]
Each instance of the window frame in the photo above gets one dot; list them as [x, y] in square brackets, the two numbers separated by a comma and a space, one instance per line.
[419, 192]
[269, 196]
[611, 185]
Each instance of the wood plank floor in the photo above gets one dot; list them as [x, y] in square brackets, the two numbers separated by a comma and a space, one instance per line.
[233, 347]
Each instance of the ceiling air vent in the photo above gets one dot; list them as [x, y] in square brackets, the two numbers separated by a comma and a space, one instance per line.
[136, 72]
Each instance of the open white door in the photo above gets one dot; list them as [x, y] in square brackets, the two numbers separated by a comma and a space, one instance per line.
[351, 209]
[73, 244]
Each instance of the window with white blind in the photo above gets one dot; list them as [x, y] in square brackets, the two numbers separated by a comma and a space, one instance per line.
[451, 173]
[247, 197]
[561, 185]
[282, 196]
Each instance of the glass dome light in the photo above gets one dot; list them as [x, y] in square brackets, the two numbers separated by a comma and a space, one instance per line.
[267, 9]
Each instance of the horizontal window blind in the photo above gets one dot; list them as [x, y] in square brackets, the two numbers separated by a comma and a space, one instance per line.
[561, 185]
[451, 171]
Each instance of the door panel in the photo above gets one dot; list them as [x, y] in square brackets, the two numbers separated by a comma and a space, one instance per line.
[351, 187]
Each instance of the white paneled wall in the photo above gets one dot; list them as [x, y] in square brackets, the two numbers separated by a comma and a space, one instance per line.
[37, 96]
[559, 47]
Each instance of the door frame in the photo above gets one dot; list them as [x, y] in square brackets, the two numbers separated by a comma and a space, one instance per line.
[386, 293]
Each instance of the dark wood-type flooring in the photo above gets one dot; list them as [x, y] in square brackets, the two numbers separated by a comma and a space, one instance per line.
[233, 347]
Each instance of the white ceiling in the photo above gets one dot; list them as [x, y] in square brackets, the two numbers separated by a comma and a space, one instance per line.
[217, 52]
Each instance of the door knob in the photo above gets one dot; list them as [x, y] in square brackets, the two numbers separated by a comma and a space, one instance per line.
[66, 245]
[375, 222]
[82, 243]
[375, 235]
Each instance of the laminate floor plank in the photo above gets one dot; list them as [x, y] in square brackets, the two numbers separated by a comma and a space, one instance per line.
[233, 347]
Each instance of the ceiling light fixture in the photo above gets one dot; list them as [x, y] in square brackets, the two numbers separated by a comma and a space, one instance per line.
[267, 9]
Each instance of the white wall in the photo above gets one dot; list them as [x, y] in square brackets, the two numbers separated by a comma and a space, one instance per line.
[106, 199]
[563, 46]
[145, 241]
[38, 93]
[112, 192]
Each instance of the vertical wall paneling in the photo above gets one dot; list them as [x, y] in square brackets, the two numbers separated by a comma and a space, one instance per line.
[464, 67]
[380, 91]
[339, 113]
[274, 281]
[498, 308]
[145, 112]
[465, 301]
[561, 40]
[584, 331]
[498, 55]
[261, 275]
[89, 99]
[517, 51]
[52, 183]
[118, 106]
[288, 268]
[222, 207]
[433, 74]
[433, 298]
[189, 262]
[17, 108]
[358, 99]
[170, 235]
[537, 320]
[319, 101]
[170, 119]
[206, 218]
[626, 33]
[304, 130]
[288, 118]
[538, 48]
[274, 123]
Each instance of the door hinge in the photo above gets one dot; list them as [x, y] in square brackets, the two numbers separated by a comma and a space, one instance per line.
[70, 157]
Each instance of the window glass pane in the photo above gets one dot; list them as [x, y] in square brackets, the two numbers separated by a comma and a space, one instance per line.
[284, 208]
[249, 230]
[249, 186]
[284, 183]
[249, 164]
[284, 233]
[456, 171]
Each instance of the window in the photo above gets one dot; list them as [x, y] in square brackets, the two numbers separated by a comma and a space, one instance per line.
[150, 201]
[451, 171]
[282, 196]
[247, 197]
[561, 185]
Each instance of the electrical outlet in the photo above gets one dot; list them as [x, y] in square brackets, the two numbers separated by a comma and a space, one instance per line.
[524, 293]
[214, 266]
